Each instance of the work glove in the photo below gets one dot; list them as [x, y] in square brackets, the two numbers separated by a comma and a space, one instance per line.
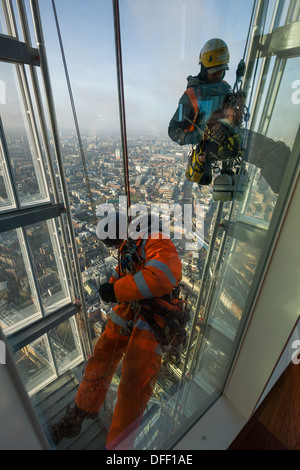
[107, 292]
[192, 138]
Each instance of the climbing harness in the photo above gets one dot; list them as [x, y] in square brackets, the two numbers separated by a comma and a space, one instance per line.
[128, 256]
[171, 308]
[175, 313]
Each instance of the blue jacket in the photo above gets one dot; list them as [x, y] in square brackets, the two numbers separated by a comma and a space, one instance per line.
[196, 105]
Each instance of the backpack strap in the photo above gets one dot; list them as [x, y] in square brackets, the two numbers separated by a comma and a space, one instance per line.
[193, 98]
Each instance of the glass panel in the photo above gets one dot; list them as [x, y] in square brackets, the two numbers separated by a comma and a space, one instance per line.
[269, 154]
[3, 28]
[35, 365]
[18, 298]
[287, 104]
[49, 267]
[284, 11]
[189, 378]
[23, 147]
[269, 17]
[65, 345]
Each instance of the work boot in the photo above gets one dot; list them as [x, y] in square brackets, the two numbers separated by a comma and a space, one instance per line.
[69, 425]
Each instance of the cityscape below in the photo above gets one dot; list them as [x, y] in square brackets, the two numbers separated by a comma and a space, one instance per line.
[157, 178]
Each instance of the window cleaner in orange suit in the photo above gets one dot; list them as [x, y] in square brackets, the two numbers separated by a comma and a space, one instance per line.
[128, 335]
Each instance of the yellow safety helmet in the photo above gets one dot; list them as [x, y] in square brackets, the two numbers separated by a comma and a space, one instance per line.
[214, 55]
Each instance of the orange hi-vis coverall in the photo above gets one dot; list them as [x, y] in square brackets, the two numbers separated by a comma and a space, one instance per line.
[157, 273]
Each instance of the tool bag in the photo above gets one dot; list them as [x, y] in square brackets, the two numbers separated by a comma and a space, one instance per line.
[195, 169]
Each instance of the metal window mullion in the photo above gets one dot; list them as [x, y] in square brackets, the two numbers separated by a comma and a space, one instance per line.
[41, 173]
[257, 31]
[12, 186]
[34, 273]
[76, 333]
[58, 254]
[52, 355]
[7, 179]
[274, 85]
[297, 12]
[68, 256]
[9, 18]
[292, 12]
[277, 14]
[29, 266]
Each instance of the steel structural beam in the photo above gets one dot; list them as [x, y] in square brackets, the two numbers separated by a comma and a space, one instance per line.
[32, 332]
[21, 218]
[12, 50]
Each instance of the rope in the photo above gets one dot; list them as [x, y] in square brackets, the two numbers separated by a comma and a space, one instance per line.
[122, 105]
[74, 112]
[122, 116]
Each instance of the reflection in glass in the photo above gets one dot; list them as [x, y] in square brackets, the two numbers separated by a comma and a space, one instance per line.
[284, 121]
[35, 364]
[65, 345]
[18, 299]
[212, 365]
[233, 287]
[43, 241]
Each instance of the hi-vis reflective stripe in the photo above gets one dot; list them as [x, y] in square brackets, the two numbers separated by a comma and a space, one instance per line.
[142, 285]
[116, 274]
[143, 325]
[164, 268]
[180, 112]
[118, 320]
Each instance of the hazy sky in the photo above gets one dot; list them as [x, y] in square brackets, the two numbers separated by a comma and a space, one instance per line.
[161, 41]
